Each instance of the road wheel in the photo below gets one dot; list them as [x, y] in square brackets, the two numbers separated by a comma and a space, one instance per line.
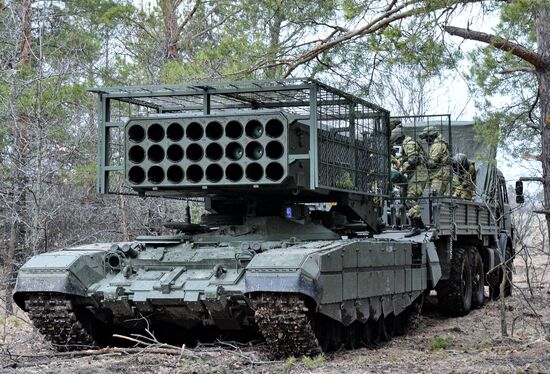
[369, 333]
[478, 279]
[322, 333]
[351, 333]
[336, 332]
[455, 294]
[407, 320]
[387, 327]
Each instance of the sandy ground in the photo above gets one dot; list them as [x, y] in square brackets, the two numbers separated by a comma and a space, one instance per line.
[440, 345]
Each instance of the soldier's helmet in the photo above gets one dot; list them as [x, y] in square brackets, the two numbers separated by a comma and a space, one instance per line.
[394, 123]
[397, 135]
[460, 161]
[429, 134]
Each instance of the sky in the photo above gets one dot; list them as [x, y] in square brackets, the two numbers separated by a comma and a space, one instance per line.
[454, 98]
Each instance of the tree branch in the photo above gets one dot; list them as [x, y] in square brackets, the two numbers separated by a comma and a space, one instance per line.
[499, 43]
[390, 15]
[390, 5]
[532, 157]
[522, 69]
[216, 25]
[189, 16]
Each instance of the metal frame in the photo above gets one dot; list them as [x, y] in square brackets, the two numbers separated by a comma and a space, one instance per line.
[301, 97]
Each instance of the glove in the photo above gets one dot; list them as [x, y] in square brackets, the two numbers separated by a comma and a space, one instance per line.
[413, 162]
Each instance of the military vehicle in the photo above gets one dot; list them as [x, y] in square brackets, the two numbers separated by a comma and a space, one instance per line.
[263, 155]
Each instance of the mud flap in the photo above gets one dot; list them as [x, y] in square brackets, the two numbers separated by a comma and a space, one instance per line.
[494, 258]
[434, 268]
[502, 243]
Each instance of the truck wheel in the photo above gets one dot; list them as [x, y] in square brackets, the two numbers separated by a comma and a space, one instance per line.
[455, 294]
[478, 279]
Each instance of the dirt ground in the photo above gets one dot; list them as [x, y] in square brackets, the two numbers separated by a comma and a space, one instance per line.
[440, 345]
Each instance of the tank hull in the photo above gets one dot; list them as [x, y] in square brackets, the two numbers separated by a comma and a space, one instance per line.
[201, 285]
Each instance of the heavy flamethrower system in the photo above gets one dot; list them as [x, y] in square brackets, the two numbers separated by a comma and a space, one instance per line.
[297, 140]
[295, 178]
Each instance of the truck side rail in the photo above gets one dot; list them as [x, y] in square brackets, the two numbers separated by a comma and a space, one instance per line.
[456, 217]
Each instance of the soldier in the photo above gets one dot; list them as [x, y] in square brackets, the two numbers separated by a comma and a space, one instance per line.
[464, 177]
[414, 169]
[395, 161]
[438, 160]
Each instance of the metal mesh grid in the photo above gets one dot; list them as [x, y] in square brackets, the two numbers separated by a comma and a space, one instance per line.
[201, 86]
[353, 144]
[233, 95]
[352, 149]
[293, 101]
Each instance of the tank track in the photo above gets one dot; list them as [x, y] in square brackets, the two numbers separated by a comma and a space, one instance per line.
[54, 317]
[286, 326]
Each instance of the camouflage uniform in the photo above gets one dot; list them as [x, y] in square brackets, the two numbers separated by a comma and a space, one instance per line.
[413, 167]
[417, 174]
[464, 179]
[438, 161]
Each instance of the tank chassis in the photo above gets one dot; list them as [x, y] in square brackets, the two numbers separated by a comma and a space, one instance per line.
[264, 156]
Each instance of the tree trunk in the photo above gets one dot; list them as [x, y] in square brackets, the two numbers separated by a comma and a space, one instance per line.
[26, 17]
[9, 268]
[170, 16]
[274, 41]
[18, 176]
[543, 46]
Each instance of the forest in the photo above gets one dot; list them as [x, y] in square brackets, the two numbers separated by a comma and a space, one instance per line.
[395, 53]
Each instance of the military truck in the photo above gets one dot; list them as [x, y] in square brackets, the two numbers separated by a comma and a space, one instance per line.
[262, 155]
